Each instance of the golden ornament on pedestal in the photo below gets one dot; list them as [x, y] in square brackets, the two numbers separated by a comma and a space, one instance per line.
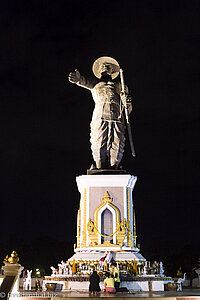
[13, 259]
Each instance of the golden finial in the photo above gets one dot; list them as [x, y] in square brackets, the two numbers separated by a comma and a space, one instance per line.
[13, 259]
[107, 197]
[5, 261]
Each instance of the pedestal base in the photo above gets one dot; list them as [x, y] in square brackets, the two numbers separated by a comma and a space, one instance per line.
[135, 284]
[10, 282]
[118, 256]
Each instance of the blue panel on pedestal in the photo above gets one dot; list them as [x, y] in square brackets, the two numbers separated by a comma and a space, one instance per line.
[106, 225]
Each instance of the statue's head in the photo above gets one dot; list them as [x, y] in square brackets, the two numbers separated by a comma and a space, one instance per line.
[106, 66]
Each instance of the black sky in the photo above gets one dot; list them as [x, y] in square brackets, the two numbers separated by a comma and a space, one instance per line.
[45, 119]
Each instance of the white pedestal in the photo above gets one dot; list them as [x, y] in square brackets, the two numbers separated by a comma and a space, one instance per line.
[113, 194]
[93, 189]
[13, 270]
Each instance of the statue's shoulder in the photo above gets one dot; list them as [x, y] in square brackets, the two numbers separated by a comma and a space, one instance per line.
[96, 81]
[87, 82]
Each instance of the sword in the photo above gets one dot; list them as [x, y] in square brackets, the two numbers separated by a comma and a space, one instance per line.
[127, 114]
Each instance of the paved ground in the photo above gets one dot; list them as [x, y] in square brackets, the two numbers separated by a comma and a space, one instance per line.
[186, 293]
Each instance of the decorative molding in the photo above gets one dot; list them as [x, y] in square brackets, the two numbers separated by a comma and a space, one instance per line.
[84, 237]
[134, 229]
[121, 234]
[106, 200]
[106, 181]
[128, 207]
[107, 244]
[106, 204]
[93, 235]
[129, 235]
[78, 226]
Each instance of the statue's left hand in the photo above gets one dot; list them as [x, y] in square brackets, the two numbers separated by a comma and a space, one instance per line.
[74, 77]
[126, 100]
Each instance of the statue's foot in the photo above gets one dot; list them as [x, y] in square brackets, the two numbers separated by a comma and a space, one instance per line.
[93, 167]
[116, 167]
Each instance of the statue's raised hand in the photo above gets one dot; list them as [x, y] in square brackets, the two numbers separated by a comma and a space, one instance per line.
[74, 77]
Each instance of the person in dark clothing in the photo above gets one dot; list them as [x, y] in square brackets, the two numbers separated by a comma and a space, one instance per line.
[94, 283]
[37, 284]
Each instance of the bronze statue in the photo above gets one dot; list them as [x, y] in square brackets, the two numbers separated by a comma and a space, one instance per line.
[107, 125]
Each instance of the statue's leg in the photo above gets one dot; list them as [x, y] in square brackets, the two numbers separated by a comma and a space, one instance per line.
[118, 143]
[98, 139]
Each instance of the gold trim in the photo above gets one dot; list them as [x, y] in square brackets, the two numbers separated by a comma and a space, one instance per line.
[13, 259]
[106, 199]
[79, 226]
[121, 234]
[134, 229]
[129, 235]
[107, 244]
[93, 236]
[84, 237]
[128, 208]
[91, 228]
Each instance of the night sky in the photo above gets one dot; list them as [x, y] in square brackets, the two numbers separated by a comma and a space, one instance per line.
[45, 119]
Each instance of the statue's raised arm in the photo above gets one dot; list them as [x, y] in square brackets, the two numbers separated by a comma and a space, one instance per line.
[77, 78]
[74, 77]
[107, 125]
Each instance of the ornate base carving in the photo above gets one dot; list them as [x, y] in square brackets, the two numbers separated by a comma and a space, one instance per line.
[107, 244]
